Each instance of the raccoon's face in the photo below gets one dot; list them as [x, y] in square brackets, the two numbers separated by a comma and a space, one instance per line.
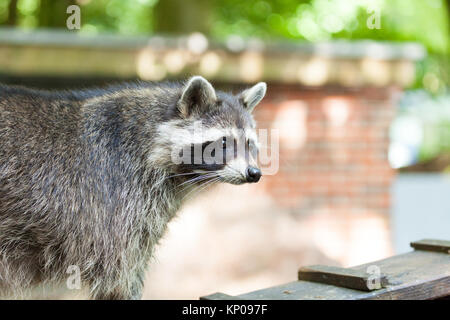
[214, 137]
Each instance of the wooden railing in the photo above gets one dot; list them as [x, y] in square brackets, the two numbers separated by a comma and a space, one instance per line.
[421, 274]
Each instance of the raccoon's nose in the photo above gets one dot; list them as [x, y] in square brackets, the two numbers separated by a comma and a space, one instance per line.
[253, 174]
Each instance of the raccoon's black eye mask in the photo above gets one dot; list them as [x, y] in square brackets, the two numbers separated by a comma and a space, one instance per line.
[204, 156]
[210, 155]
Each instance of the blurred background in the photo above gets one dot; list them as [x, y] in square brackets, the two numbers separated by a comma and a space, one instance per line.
[358, 91]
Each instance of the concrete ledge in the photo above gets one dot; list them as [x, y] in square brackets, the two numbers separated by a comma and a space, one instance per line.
[345, 63]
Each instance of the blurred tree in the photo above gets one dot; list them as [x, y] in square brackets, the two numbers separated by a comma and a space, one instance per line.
[426, 22]
[321, 20]
[52, 14]
[124, 17]
[12, 13]
[181, 16]
[313, 20]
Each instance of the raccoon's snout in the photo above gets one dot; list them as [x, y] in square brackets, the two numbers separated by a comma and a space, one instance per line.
[253, 174]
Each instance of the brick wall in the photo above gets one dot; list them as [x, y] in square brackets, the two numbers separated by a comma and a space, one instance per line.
[333, 147]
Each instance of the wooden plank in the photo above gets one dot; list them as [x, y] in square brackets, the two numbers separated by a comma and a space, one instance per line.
[432, 245]
[341, 277]
[414, 275]
[425, 290]
[303, 290]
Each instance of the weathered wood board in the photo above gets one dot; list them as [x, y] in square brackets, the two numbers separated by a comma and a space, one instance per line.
[432, 245]
[421, 274]
[342, 277]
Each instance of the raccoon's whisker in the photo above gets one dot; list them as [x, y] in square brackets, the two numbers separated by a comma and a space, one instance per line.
[207, 183]
[199, 183]
[192, 182]
[201, 177]
[159, 183]
[200, 180]
[195, 189]
[181, 174]
[191, 173]
[201, 187]
[176, 175]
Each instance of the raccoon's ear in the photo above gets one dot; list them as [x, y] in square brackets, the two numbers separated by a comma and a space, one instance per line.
[197, 93]
[251, 97]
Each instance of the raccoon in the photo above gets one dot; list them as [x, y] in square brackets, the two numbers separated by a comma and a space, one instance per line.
[91, 178]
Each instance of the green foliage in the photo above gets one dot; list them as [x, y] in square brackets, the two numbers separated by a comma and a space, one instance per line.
[124, 17]
[294, 20]
[313, 20]
[320, 20]
[4, 11]
[28, 12]
[426, 22]
[423, 124]
[436, 140]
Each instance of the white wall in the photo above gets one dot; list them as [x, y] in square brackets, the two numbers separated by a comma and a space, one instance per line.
[421, 208]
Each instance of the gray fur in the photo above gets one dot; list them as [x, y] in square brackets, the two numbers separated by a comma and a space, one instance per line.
[86, 180]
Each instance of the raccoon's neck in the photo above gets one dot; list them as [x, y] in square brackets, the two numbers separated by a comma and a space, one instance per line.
[167, 191]
[161, 202]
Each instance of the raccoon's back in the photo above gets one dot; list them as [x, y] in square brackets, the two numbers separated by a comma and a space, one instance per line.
[38, 137]
[28, 116]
